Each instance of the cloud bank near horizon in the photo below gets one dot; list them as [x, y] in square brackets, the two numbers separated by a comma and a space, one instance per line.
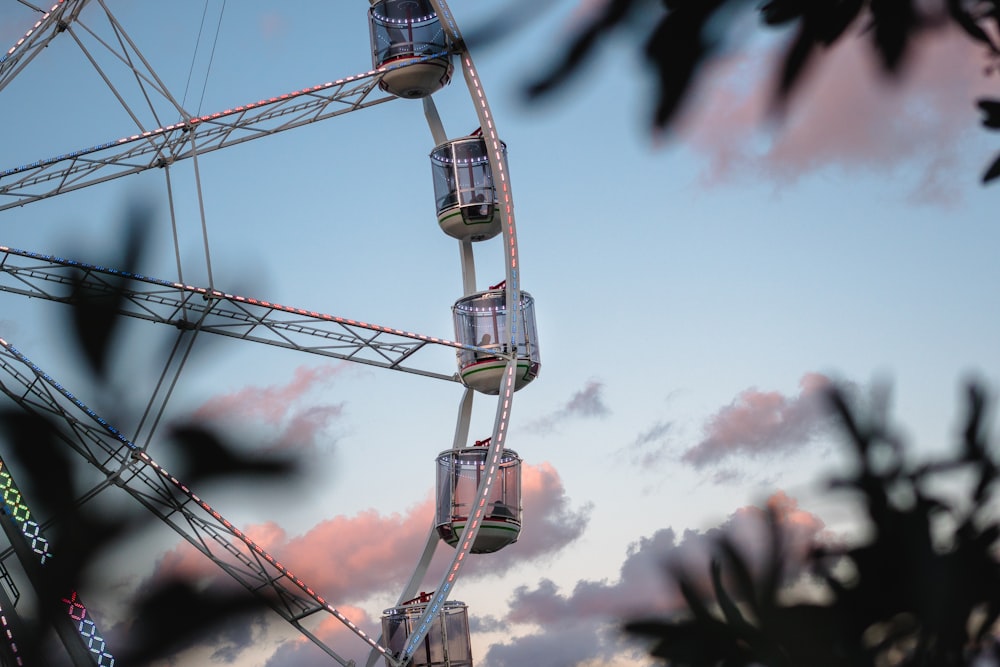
[353, 559]
[594, 609]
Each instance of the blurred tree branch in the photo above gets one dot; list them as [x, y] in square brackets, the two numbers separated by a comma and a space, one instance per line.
[688, 34]
[920, 591]
[173, 613]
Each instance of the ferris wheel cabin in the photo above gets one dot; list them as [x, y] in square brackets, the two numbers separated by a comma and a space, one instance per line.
[459, 472]
[447, 643]
[467, 205]
[405, 36]
[481, 321]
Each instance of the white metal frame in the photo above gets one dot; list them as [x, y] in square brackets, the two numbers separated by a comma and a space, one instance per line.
[204, 309]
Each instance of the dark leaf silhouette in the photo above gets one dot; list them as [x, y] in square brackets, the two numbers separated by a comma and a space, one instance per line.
[177, 614]
[35, 450]
[991, 112]
[577, 52]
[799, 54]
[207, 456]
[820, 25]
[779, 12]
[912, 594]
[676, 49]
[993, 171]
[678, 44]
[963, 17]
[893, 23]
[95, 311]
[30, 444]
[167, 618]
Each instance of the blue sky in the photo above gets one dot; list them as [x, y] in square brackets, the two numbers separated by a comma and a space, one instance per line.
[693, 293]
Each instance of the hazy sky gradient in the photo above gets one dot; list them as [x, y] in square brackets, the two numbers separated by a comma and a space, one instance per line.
[695, 295]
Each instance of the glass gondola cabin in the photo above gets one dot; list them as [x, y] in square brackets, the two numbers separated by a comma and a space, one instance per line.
[447, 643]
[481, 321]
[467, 205]
[403, 34]
[459, 473]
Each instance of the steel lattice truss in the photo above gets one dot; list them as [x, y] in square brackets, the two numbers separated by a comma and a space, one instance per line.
[200, 309]
[132, 469]
[158, 147]
[53, 22]
[211, 311]
[163, 146]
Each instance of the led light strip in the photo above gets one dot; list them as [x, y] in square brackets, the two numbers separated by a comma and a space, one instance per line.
[188, 124]
[31, 31]
[492, 464]
[216, 294]
[141, 455]
[493, 145]
[32, 533]
[5, 624]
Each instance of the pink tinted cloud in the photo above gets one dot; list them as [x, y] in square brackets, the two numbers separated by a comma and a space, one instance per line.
[273, 26]
[269, 404]
[758, 422]
[550, 524]
[301, 652]
[280, 407]
[642, 587]
[345, 557]
[845, 114]
[349, 558]
[800, 529]
[591, 614]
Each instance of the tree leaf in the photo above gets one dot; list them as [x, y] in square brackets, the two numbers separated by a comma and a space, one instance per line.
[676, 49]
[96, 311]
[965, 20]
[893, 22]
[993, 172]
[207, 455]
[779, 12]
[581, 47]
[794, 64]
[991, 111]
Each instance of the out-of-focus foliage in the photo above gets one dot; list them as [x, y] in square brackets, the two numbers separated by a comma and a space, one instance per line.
[922, 590]
[173, 613]
[679, 37]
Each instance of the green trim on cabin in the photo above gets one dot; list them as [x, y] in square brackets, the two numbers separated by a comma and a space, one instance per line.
[465, 222]
[459, 528]
[492, 367]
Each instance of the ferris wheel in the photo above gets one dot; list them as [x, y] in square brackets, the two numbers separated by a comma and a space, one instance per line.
[417, 49]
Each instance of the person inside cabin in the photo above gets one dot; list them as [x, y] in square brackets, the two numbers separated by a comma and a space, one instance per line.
[476, 206]
[500, 509]
[485, 341]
